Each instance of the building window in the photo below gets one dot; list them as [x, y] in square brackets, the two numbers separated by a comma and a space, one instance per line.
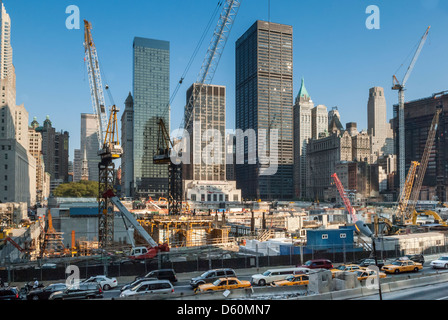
[193, 197]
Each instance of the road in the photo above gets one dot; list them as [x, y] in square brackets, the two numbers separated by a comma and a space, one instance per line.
[437, 291]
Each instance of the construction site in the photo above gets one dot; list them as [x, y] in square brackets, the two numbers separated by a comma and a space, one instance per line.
[183, 230]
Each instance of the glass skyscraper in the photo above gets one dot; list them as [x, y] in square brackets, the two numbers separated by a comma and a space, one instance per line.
[264, 101]
[151, 90]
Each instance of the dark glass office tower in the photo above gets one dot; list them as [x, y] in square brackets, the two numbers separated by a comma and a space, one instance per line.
[264, 100]
[151, 92]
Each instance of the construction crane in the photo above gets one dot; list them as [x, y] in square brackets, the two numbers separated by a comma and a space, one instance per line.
[406, 193]
[165, 144]
[401, 88]
[110, 150]
[351, 211]
[411, 212]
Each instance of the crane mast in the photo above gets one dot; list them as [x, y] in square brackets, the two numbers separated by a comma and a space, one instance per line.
[406, 192]
[401, 130]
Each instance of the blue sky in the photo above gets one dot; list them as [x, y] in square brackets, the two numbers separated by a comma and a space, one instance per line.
[337, 55]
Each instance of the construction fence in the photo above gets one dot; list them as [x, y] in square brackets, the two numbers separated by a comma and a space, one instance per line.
[205, 258]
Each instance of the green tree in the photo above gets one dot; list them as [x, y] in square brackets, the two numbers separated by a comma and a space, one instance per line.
[81, 189]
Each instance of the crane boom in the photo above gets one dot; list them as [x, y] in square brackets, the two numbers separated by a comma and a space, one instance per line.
[95, 82]
[406, 192]
[214, 53]
[206, 74]
[400, 88]
[344, 196]
[424, 164]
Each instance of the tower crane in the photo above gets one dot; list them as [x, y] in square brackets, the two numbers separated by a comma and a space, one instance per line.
[401, 88]
[110, 148]
[164, 143]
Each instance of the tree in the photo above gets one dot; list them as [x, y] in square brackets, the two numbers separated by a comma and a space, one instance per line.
[81, 189]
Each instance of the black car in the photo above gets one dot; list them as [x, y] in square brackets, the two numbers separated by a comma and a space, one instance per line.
[9, 293]
[45, 293]
[83, 291]
[162, 274]
[416, 258]
[369, 262]
[210, 276]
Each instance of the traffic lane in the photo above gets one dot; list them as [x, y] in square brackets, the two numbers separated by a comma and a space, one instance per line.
[437, 291]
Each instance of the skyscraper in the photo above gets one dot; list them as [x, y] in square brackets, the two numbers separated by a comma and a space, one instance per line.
[209, 112]
[90, 144]
[377, 125]
[151, 90]
[264, 100]
[127, 132]
[302, 132]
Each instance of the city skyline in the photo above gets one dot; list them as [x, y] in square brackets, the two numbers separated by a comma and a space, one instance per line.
[339, 57]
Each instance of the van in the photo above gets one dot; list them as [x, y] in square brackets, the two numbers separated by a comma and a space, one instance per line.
[272, 275]
[211, 275]
[149, 287]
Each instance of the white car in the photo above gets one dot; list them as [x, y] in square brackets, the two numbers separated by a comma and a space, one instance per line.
[271, 275]
[440, 263]
[148, 287]
[105, 282]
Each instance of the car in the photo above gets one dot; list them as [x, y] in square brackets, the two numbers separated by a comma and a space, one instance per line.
[294, 280]
[399, 266]
[90, 290]
[318, 264]
[414, 257]
[364, 274]
[211, 276]
[135, 282]
[105, 282]
[271, 275]
[345, 268]
[224, 284]
[44, 293]
[440, 263]
[369, 262]
[47, 266]
[9, 293]
[149, 287]
[163, 274]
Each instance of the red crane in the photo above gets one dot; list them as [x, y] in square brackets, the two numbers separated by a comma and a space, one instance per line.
[344, 197]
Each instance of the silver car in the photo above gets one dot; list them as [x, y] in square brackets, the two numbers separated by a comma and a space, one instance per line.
[440, 263]
[149, 287]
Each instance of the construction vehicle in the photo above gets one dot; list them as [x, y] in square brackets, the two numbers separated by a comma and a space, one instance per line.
[110, 150]
[401, 88]
[137, 253]
[351, 211]
[165, 145]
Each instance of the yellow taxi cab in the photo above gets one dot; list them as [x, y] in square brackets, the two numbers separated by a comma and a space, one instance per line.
[345, 268]
[402, 266]
[365, 273]
[294, 280]
[223, 284]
